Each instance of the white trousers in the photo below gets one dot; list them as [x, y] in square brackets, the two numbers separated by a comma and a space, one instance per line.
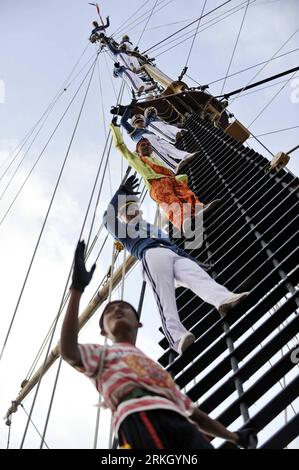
[129, 61]
[166, 152]
[161, 268]
[133, 80]
[166, 131]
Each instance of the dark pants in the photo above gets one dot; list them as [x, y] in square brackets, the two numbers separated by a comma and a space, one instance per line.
[160, 429]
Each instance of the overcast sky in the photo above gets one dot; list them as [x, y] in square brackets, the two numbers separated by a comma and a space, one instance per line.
[40, 42]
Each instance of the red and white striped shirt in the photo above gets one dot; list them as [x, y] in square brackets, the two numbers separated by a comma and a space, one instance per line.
[126, 368]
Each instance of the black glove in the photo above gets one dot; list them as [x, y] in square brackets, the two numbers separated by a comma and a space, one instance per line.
[247, 437]
[133, 102]
[116, 64]
[114, 121]
[81, 277]
[130, 185]
[114, 110]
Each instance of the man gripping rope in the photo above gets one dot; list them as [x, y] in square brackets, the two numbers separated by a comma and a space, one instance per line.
[171, 192]
[163, 263]
[164, 151]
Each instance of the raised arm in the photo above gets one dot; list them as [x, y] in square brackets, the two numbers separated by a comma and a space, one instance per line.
[114, 226]
[69, 333]
[107, 23]
[132, 158]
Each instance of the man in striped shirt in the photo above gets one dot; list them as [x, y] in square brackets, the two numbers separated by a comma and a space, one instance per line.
[149, 410]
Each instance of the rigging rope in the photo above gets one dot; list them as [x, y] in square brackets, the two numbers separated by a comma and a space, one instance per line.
[279, 130]
[249, 68]
[261, 143]
[260, 82]
[44, 115]
[34, 425]
[263, 88]
[192, 43]
[27, 150]
[235, 47]
[28, 135]
[36, 135]
[48, 211]
[272, 99]
[87, 244]
[264, 66]
[45, 146]
[49, 207]
[128, 19]
[222, 17]
[127, 28]
[91, 228]
[184, 27]
[149, 17]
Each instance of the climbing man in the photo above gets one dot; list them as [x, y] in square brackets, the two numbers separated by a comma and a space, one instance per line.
[97, 29]
[171, 192]
[149, 410]
[163, 263]
[131, 78]
[122, 54]
[161, 128]
[164, 151]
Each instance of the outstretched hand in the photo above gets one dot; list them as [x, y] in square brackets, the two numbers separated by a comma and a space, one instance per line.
[81, 277]
[130, 185]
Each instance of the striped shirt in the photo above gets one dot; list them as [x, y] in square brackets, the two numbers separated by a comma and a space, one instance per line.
[126, 368]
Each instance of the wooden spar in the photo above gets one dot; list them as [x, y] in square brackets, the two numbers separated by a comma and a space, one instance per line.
[158, 75]
[89, 311]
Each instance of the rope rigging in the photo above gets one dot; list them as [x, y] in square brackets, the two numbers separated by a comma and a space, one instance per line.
[249, 68]
[185, 37]
[131, 26]
[33, 424]
[118, 273]
[277, 131]
[265, 80]
[88, 251]
[91, 228]
[147, 21]
[46, 145]
[62, 88]
[263, 88]
[273, 97]
[235, 46]
[28, 149]
[187, 26]
[51, 202]
[266, 64]
[44, 224]
[45, 116]
[128, 19]
[185, 68]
